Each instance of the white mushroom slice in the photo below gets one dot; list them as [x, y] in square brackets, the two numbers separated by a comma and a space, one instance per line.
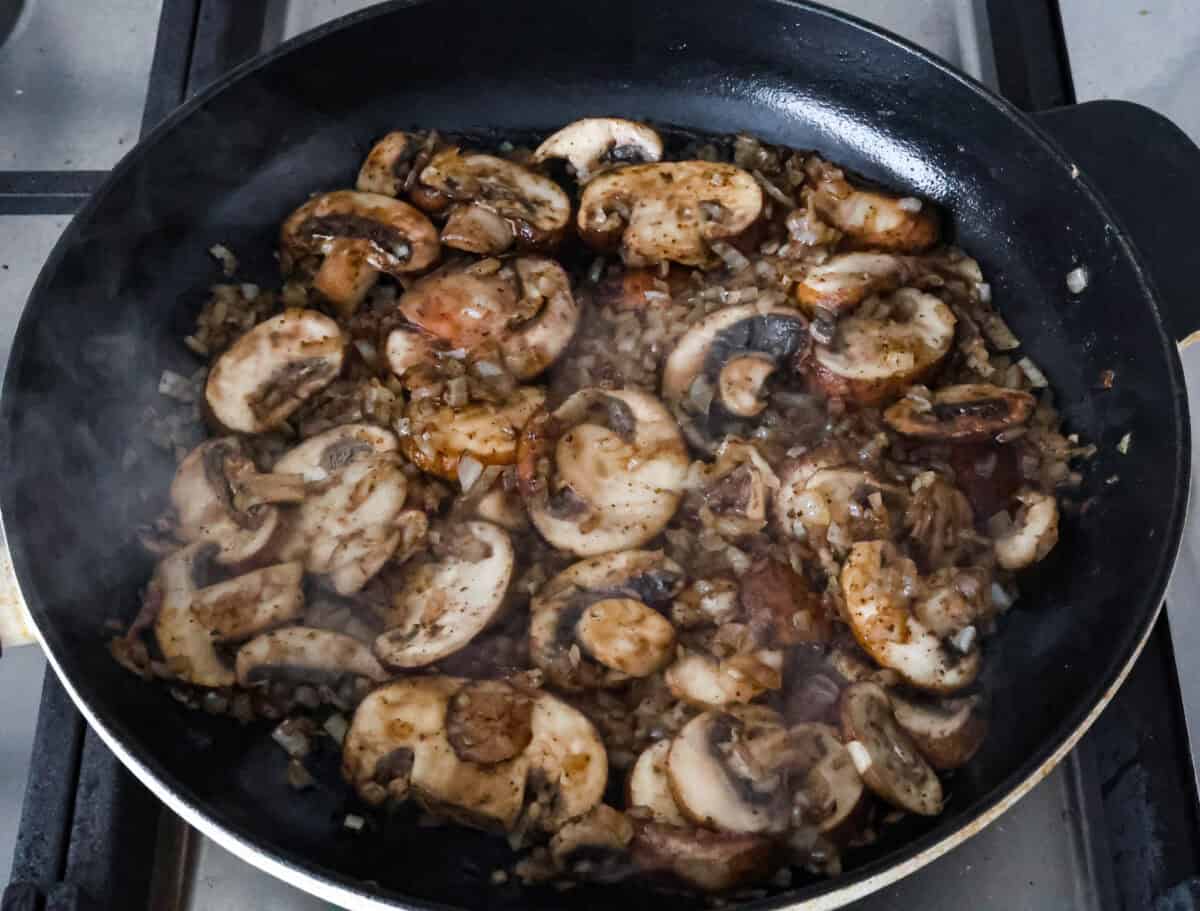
[464, 307]
[504, 508]
[1033, 534]
[204, 499]
[649, 788]
[871, 218]
[948, 732]
[475, 229]
[595, 623]
[605, 472]
[359, 235]
[489, 721]
[878, 586]
[835, 506]
[670, 211]
[703, 681]
[538, 342]
[444, 603]
[187, 645]
[397, 747]
[387, 164]
[596, 144]
[706, 602]
[741, 381]
[406, 348]
[326, 453]
[965, 413]
[886, 757]
[875, 358]
[535, 207]
[269, 372]
[247, 605]
[440, 436]
[954, 599]
[738, 487]
[845, 280]
[595, 846]
[304, 654]
[717, 781]
[829, 794]
[711, 861]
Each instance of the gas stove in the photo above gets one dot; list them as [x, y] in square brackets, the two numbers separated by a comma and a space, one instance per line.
[1116, 825]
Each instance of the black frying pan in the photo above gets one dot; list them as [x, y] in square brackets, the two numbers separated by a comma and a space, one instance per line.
[108, 312]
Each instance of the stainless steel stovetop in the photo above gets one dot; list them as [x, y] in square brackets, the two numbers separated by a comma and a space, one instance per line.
[73, 84]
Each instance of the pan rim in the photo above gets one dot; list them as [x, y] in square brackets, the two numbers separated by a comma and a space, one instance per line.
[333, 886]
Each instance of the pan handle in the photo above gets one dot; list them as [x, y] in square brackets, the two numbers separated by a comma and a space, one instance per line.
[1147, 169]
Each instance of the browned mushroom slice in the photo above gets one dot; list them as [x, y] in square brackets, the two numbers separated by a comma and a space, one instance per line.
[534, 207]
[845, 280]
[968, 413]
[269, 372]
[300, 654]
[669, 211]
[885, 756]
[878, 586]
[322, 455]
[1033, 534]
[596, 144]
[595, 624]
[604, 472]
[719, 782]
[489, 721]
[359, 235]
[445, 602]
[441, 436]
[397, 747]
[387, 164]
[947, 732]
[719, 369]
[206, 494]
[712, 861]
[781, 607]
[829, 794]
[187, 645]
[703, 681]
[836, 506]
[649, 788]
[595, 846]
[247, 605]
[474, 229]
[876, 356]
[871, 218]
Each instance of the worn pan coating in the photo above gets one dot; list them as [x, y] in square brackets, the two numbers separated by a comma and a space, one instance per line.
[107, 313]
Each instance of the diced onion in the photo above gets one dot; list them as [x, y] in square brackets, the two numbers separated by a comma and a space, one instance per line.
[1036, 378]
[1001, 597]
[860, 756]
[910, 204]
[1077, 279]
[354, 822]
[469, 470]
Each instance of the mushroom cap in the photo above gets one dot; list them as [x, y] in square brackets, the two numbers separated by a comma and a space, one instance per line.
[594, 144]
[811, 503]
[186, 644]
[947, 732]
[464, 307]
[882, 622]
[969, 412]
[1034, 532]
[334, 449]
[878, 359]
[871, 218]
[389, 235]
[564, 758]
[263, 377]
[845, 280]
[627, 482]
[444, 603]
[668, 211]
[703, 681]
[305, 654]
[250, 604]
[536, 207]
[712, 861]
[382, 170]
[648, 786]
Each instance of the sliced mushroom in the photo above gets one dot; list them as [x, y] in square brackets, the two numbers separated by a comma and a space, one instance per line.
[738, 487]
[348, 526]
[781, 607]
[886, 757]
[871, 218]
[948, 732]
[247, 605]
[706, 602]
[445, 602]
[718, 370]
[845, 280]
[827, 792]
[954, 600]
[407, 347]
[595, 846]
[271, 370]
[441, 436]
[387, 164]
[525, 307]
[397, 747]
[596, 144]
[595, 624]
[359, 235]
[204, 494]
[669, 211]
[187, 645]
[877, 357]
[718, 782]
[534, 207]
[489, 721]
[649, 788]
[602, 473]
[301, 654]
[703, 681]
[836, 506]
[711, 861]
[1033, 534]
[968, 413]
[878, 586]
[474, 229]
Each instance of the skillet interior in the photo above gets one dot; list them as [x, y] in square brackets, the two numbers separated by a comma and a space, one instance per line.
[109, 310]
